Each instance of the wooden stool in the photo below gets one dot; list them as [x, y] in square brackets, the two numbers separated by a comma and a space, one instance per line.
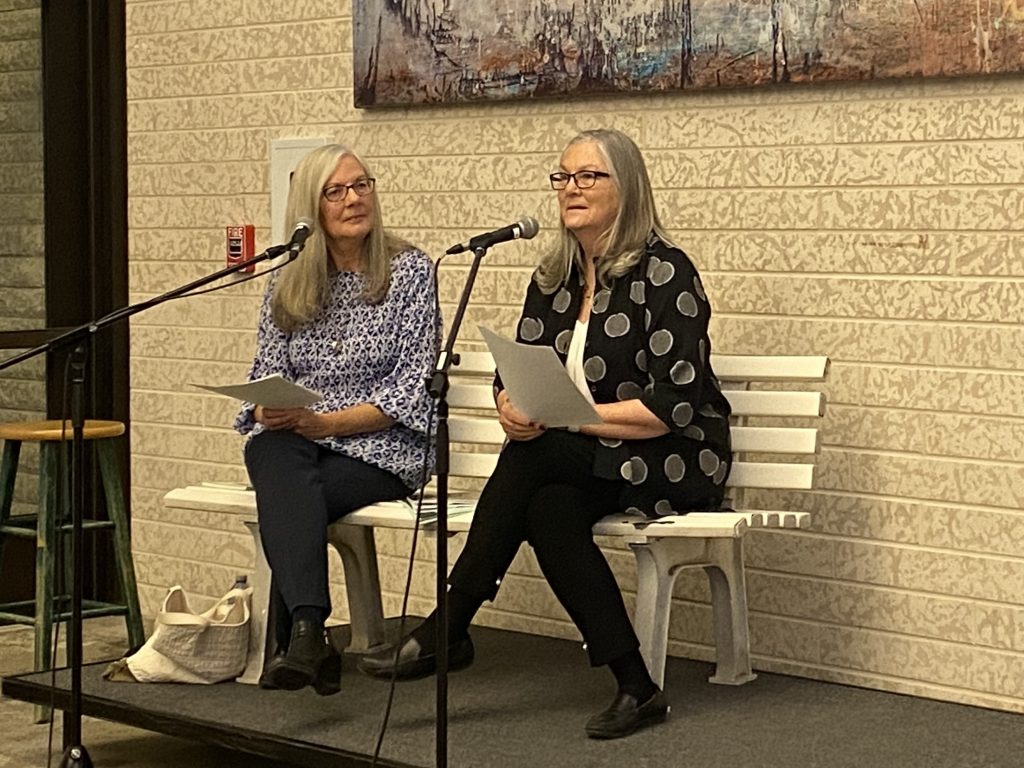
[47, 607]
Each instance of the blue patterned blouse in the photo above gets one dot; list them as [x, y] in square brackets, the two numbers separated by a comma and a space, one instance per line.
[353, 352]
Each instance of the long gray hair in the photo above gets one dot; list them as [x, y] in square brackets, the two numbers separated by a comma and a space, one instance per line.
[301, 289]
[635, 220]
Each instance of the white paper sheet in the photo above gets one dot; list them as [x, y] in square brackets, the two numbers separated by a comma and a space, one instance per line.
[273, 391]
[538, 384]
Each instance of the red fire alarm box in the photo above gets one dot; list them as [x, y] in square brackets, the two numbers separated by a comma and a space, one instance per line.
[241, 246]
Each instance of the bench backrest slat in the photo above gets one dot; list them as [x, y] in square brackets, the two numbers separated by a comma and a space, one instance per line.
[463, 394]
[744, 474]
[727, 367]
[770, 367]
[481, 430]
[469, 393]
[774, 403]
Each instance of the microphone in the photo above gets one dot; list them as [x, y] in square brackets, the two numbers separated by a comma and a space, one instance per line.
[303, 229]
[526, 228]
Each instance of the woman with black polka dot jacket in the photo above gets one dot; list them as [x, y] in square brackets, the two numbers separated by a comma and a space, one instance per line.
[625, 310]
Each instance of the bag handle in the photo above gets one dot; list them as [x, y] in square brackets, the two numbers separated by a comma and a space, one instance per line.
[184, 615]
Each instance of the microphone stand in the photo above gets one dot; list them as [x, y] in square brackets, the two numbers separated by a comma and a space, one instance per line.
[437, 386]
[75, 754]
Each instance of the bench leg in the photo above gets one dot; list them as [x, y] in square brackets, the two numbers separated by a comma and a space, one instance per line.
[358, 550]
[729, 600]
[657, 563]
[259, 636]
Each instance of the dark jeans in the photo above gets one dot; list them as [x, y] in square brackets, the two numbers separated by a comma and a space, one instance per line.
[544, 492]
[301, 488]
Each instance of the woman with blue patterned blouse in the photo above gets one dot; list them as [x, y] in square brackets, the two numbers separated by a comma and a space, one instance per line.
[625, 310]
[353, 318]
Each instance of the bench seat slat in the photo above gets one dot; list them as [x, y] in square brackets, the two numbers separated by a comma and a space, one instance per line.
[401, 514]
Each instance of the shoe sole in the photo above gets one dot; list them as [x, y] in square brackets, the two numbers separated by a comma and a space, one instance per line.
[325, 680]
[652, 719]
[418, 674]
[289, 677]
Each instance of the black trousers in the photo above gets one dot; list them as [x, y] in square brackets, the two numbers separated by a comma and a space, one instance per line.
[301, 488]
[544, 492]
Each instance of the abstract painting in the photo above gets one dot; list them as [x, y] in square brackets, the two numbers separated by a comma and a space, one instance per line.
[451, 51]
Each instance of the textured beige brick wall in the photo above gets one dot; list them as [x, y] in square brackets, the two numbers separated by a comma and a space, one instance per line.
[22, 304]
[877, 223]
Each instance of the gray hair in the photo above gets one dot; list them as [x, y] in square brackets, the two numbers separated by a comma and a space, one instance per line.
[301, 289]
[634, 222]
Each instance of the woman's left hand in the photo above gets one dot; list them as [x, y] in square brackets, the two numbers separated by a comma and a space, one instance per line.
[310, 424]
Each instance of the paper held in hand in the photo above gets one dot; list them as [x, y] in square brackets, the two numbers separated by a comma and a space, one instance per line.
[538, 384]
[273, 391]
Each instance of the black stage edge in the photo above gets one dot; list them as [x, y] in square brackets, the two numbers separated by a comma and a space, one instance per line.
[523, 704]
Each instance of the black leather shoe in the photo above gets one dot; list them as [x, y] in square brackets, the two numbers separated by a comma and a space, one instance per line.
[264, 681]
[624, 715]
[412, 662]
[309, 660]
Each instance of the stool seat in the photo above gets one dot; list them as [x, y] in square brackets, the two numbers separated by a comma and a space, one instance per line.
[47, 431]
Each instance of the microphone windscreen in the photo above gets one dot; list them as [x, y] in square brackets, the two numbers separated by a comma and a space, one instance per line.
[528, 227]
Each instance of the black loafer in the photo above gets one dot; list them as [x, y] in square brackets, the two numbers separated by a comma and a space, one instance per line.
[264, 681]
[625, 715]
[309, 660]
[412, 662]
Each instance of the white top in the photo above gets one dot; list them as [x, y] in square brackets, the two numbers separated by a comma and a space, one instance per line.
[574, 360]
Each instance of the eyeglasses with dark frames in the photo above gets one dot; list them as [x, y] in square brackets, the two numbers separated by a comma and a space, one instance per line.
[583, 179]
[338, 192]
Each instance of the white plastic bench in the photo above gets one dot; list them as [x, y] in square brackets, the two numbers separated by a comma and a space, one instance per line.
[776, 417]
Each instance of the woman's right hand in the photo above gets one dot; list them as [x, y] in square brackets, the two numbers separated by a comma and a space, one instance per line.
[516, 425]
[276, 418]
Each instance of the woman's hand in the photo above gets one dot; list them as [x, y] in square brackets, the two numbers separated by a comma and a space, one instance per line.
[309, 424]
[516, 425]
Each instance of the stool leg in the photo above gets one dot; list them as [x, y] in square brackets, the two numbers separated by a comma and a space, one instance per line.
[46, 543]
[8, 471]
[111, 475]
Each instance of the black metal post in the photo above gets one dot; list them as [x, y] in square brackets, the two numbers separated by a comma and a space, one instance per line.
[75, 755]
[438, 388]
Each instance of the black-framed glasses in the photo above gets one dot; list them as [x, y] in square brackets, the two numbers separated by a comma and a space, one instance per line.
[583, 179]
[338, 192]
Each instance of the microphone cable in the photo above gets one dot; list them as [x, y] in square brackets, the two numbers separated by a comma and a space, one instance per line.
[424, 477]
[58, 555]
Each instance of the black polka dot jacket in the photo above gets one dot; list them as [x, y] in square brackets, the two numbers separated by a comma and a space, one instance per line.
[647, 338]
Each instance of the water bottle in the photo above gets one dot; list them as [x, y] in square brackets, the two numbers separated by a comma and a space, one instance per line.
[241, 582]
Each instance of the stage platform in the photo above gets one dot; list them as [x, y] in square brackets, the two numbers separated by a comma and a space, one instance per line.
[523, 704]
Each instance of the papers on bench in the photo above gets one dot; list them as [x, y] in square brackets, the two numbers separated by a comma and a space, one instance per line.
[402, 513]
[538, 383]
[456, 508]
[273, 391]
